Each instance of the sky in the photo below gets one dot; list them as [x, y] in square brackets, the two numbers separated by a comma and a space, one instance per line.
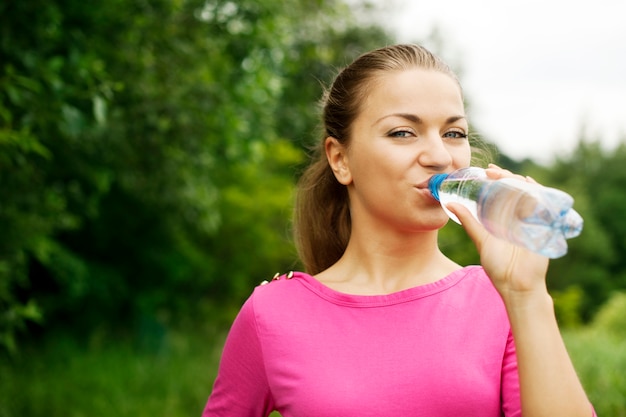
[536, 73]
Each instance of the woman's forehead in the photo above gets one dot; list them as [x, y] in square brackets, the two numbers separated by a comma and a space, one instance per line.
[413, 89]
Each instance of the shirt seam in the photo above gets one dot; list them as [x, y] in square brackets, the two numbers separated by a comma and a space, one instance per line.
[387, 303]
[258, 336]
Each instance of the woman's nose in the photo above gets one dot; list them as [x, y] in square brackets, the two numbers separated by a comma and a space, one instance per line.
[434, 153]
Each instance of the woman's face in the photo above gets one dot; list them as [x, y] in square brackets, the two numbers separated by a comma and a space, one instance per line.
[412, 125]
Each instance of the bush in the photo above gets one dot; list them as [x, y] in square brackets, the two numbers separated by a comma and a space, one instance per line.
[611, 318]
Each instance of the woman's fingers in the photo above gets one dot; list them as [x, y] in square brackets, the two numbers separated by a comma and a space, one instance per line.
[495, 172]
[472, 226]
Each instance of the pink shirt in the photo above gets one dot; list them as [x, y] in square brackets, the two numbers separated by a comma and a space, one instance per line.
[299, 347]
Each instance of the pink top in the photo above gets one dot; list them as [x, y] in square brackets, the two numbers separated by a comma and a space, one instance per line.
[303, 349]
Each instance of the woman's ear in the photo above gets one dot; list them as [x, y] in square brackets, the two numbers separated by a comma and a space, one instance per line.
[337, 156]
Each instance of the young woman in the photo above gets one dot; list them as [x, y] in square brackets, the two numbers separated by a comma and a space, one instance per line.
[382, 323]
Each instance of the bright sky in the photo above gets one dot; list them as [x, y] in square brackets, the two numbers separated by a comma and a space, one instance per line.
[534, 71]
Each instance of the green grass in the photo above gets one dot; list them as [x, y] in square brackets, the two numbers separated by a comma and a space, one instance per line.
[116, 379]
[600, 360]
[63, 378]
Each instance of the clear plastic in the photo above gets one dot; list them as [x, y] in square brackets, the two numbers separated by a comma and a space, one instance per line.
[530, 215]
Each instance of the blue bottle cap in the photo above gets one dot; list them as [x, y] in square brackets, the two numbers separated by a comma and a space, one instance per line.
[434, 182]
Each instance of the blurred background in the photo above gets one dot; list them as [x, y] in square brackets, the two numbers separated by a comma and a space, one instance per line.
[148, 155]
[538, 72]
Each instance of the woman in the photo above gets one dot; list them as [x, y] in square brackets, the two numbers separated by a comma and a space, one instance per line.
[383, 323]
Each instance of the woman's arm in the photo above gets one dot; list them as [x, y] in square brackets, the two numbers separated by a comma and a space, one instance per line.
[241, 387]
[548, 382]
[549, 385]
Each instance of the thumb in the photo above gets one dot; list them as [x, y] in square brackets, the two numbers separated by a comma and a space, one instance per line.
[474, 229]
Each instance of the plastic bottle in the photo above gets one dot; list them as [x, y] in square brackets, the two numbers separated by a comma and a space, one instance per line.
[530, 215]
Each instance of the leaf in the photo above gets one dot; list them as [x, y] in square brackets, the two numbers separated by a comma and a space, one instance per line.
[99, 110]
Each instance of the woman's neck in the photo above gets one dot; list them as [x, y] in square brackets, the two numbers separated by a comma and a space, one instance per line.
[388, 264]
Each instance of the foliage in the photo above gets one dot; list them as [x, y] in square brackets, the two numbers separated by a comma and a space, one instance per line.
[568, 304]
[148, 152]
[600, 361]
[113, 376]
[63, 378]
[611, 318]
[594, 177]
[149, 149]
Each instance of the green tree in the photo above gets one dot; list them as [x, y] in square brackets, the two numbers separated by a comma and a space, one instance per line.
[594, 177]
[149, 150]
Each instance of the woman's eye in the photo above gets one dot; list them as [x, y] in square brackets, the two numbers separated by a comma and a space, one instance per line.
[401, 133]
[455, 135]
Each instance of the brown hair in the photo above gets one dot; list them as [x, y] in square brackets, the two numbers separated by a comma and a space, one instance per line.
[322, 213]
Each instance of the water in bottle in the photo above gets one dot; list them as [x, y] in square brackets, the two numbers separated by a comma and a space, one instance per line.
[527, 214]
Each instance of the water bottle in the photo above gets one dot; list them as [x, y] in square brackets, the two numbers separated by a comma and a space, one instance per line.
[530, 215]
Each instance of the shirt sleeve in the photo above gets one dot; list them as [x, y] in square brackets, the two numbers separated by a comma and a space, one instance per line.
[511, 400]
[241, 387]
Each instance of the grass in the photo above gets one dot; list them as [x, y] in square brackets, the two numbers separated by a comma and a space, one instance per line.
[116, 379]
[173, 378]
[600, 360]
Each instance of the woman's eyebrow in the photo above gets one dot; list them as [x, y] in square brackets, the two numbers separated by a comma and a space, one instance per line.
[416, 119]
[408, 116]
[453, 119]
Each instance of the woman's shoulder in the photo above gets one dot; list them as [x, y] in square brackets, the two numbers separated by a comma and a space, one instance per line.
[294, 290]
[282, 289]
[474, 277]
[475, 290]
[278, 301]
[476, 274]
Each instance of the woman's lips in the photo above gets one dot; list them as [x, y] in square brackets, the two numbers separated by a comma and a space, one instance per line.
[423, 185]
[422, 188]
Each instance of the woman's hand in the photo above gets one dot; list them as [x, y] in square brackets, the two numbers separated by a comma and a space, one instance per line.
[515, 271]
[549, 385]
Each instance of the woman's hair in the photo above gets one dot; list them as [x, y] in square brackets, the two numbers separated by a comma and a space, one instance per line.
[322, 213]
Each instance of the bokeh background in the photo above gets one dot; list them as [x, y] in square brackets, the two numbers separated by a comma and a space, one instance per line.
[539, 72]
[148, 155]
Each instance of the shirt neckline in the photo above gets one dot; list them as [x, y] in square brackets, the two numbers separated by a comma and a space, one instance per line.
[403, 296]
